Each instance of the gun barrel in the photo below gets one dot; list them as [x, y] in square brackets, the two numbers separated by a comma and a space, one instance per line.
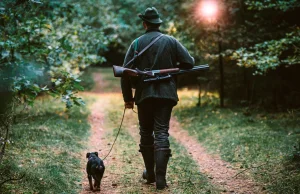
[194, 69]
[121, 71]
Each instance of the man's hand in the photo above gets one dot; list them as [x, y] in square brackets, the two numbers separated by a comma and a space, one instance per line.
[129, 105]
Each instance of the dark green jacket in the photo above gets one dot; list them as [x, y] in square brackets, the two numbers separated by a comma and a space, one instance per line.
[166, 53]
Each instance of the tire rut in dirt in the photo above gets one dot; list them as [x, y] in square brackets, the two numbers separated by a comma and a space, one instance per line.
[220, 172]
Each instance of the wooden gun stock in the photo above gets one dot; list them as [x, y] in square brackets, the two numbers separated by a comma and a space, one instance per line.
[121, 71]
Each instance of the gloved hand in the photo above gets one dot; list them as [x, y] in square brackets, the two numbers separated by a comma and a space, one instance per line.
[129, 105]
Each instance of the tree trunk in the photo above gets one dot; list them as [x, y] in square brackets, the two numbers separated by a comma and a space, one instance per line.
[221, 74]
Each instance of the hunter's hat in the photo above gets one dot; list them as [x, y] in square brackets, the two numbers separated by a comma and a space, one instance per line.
[151, 15]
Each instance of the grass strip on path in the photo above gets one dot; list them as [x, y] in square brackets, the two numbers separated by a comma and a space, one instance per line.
[183, 173]
[257, 142]
[46, 147]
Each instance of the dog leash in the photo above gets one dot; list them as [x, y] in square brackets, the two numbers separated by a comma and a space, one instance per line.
[117, 133]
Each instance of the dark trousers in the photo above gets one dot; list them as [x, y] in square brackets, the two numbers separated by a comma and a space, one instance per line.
[154, 119]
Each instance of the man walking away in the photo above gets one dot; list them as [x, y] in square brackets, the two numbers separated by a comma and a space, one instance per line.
[155, 100]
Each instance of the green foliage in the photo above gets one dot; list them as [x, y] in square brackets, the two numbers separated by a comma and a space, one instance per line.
[40, 40]
[45, 146]
[245, 28]
[87, 79]
[270, 54]
[260, 34]
[282, 5]
[44, 40]
[66, 85]
[276, 39]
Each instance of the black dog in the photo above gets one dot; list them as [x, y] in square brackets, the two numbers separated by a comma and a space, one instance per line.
[95, 169]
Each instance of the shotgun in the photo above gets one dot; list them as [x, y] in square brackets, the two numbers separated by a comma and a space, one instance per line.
[154, 74]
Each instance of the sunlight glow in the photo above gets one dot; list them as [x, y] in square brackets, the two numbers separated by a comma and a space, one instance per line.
[208, 9]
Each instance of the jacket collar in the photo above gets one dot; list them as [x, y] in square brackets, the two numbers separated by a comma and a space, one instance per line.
[153, 30]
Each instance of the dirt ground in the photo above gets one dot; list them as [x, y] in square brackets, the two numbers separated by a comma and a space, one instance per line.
[220, 173]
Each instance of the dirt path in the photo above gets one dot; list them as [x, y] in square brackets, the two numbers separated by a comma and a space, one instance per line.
[98, 142]
[220, 173]
[133, 129]
[100, 83]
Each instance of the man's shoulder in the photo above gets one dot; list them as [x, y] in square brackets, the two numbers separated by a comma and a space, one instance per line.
[172, 38]
[146, 38]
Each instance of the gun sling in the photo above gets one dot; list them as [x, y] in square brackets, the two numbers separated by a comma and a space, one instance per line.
[142, 51]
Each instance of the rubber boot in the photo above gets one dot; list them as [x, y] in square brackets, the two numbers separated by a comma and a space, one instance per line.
[148, 156]
[162, 156]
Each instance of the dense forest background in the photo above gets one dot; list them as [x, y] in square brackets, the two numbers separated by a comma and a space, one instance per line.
[45, 45]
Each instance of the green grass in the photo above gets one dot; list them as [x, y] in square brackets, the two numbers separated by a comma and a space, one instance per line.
[183, 175]
[46, 145]
[248, 139]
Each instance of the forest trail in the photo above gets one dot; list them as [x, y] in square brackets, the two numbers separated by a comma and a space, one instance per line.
[97, 140]
[220, 173]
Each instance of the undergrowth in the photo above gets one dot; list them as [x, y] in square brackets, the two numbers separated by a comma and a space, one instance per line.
[46, 142]
[256, 141]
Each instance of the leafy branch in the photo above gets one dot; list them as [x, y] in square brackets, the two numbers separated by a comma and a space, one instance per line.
[270, 54]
